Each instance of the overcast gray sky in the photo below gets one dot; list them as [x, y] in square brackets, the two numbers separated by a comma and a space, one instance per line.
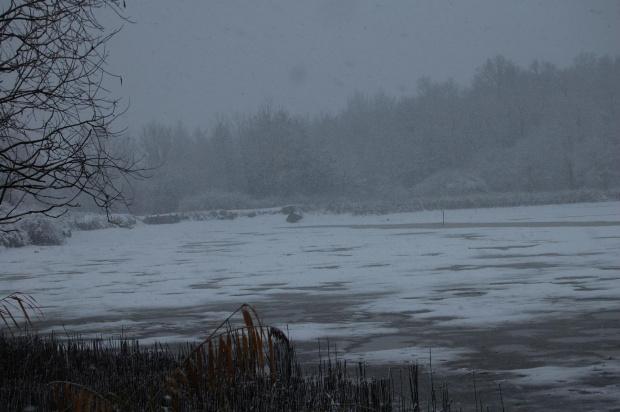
[189, 60]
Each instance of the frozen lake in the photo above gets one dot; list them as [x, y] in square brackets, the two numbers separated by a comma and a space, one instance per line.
[528, 297]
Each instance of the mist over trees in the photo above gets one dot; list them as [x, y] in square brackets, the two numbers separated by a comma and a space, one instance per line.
[514, 129]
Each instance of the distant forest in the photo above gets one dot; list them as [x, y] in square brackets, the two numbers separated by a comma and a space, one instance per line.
[513, 130]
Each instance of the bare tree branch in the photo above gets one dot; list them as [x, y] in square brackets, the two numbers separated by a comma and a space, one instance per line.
[56, 115]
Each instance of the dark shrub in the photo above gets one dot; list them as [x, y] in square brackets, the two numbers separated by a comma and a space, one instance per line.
[43, 231]
[162, 219]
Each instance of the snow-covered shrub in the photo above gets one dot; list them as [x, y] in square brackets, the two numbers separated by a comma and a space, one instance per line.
[223, 215]
[44, 231]
[89, 222]
[13, 238]
[163, 219]
[31, 230]
[96, 221]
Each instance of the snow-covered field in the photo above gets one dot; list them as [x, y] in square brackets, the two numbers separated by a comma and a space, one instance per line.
[529, 295]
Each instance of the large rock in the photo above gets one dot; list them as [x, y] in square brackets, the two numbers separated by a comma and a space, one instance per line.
[294, 217]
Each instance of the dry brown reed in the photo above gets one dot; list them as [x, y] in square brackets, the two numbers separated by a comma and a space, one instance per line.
[16, 305]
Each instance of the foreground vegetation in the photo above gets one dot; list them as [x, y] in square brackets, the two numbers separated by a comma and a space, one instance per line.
[241, 365]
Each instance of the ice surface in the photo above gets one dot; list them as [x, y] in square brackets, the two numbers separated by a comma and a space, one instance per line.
[472, 275]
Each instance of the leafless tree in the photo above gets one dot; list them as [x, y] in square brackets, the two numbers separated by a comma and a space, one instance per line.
[57, 137]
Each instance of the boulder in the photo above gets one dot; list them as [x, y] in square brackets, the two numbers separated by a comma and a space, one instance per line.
[294, 217]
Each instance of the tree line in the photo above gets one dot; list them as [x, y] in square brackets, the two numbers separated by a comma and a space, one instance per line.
[531, 129]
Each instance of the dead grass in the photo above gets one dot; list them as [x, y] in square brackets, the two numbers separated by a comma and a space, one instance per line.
[242, 365]
[16, 306]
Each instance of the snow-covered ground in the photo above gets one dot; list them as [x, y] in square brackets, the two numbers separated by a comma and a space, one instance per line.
[386, 288]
